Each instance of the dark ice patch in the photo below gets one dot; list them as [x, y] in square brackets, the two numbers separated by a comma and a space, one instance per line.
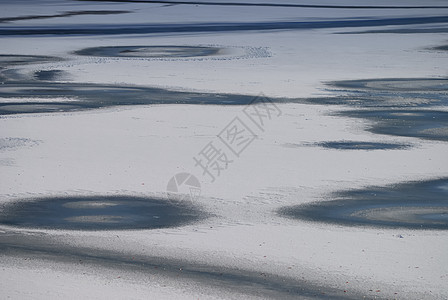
[415, 205]
[90, 96]
[51, 75]
[425, 124]
[7, 60]
[150, 51]
[356, 145]
[99, 213]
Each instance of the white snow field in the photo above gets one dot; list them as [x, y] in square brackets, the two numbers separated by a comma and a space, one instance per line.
[240, 244]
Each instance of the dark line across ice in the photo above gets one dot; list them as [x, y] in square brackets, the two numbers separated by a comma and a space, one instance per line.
[290, 5]
[118, 29]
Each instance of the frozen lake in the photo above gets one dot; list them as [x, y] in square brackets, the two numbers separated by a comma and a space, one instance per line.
[223, 149]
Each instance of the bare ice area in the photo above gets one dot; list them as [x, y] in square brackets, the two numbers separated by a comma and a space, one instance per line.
[421, 205]
[201, 149]
[98, 213]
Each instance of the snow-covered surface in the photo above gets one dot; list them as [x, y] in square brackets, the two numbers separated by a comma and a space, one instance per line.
[137, 149]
